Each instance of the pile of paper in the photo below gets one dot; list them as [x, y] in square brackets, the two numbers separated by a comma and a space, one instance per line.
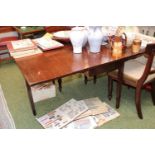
[22, 48]
[84, 114]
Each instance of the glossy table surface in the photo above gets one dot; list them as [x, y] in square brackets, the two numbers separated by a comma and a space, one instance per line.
[61, 62]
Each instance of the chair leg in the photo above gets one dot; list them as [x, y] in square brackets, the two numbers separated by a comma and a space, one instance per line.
[119, 84]
[138, 102]
[118, 93]
[60, 84]
[153, 92]
[110, 87]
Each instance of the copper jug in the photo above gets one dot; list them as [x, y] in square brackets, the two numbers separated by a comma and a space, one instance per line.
[118, 40]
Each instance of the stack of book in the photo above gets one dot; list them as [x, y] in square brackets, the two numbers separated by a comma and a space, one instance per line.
[22, 48]
[83, 114]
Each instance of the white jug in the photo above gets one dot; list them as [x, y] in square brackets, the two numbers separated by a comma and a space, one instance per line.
[95, 38]
[78, 37]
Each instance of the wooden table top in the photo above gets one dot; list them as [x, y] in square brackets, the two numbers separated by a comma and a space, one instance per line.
[58, 63]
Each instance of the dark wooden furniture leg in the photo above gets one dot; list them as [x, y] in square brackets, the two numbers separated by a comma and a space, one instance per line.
[110, 87]
[119, 84]
[138, 102]
[30, 98]
[94, 79]
[85, 79]
[153, 92]
[60, 84]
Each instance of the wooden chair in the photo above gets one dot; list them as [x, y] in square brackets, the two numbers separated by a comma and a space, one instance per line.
[137, 75]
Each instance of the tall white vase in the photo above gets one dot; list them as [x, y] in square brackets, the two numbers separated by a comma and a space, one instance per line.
[95, 37]
[78, 37]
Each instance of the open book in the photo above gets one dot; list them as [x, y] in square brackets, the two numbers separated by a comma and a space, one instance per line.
[47, 43]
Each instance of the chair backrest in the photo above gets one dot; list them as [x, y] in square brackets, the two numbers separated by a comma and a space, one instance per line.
[150, 52]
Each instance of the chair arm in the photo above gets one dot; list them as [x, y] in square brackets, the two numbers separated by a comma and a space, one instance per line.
[152, 71]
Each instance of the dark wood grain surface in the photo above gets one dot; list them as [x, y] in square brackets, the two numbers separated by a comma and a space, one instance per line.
[58, 63]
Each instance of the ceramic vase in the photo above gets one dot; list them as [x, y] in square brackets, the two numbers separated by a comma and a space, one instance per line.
[95, 38]
[78, 38]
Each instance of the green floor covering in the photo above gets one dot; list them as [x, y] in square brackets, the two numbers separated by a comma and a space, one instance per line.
[13, 85]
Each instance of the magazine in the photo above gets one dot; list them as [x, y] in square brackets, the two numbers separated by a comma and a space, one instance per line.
[63, 115]
[47, 43]
[95, 106]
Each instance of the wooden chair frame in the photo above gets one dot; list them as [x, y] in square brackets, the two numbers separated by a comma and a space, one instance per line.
[150, 52]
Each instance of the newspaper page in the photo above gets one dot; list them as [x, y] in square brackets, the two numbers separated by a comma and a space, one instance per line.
[95, 106]
[83, 123]
[106, 116]
[63, 115]
[91, 122]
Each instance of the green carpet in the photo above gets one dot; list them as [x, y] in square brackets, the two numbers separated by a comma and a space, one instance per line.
[14, 89]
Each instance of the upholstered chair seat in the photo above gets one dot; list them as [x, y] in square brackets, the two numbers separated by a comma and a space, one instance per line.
[133, 70]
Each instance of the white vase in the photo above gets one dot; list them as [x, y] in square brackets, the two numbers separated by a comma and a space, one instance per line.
[95, 38]
[78, 37]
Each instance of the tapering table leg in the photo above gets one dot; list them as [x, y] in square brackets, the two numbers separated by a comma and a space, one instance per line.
[30, 98]
[60, 84]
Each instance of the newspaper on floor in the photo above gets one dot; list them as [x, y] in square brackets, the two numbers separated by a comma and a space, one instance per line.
[63, 115]
[95, 106]
[106, 116]
[83, 123]
[91, 122]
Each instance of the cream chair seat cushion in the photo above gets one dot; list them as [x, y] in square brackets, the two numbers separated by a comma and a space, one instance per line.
[133, 70]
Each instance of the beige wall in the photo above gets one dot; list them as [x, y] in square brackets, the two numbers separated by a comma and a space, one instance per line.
[147, 30]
